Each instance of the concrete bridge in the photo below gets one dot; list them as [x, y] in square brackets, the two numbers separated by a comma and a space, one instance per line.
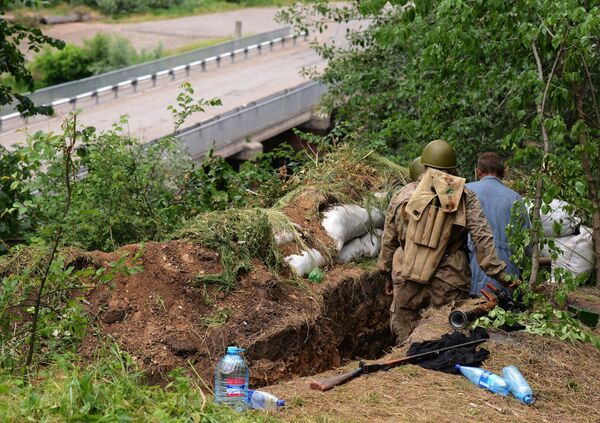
[258, 81]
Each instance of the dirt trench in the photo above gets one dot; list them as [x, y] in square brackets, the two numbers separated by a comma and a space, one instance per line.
[164, 319]
[352, 323]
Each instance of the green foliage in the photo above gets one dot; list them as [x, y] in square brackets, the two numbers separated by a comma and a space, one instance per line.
[111, 389]
[12, 38]
[461, 71]
[118, 7]
[102, 53]
[239, 235]
[11, 227]
[62, 320]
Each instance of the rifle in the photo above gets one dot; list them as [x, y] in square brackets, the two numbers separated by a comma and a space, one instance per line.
[363, 368]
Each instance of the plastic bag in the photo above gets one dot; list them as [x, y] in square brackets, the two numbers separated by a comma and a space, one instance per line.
[304, 263]
[559, 218]
[367, 245]
[343, 223]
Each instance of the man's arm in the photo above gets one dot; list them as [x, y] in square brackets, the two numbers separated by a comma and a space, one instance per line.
[389, 240]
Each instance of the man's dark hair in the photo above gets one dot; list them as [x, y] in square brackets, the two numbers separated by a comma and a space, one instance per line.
[491, 163]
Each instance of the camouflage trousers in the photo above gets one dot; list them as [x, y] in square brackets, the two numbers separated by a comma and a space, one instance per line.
[412, 297]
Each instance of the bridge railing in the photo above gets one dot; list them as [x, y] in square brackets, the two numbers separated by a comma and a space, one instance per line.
[230, 130]
[129, 78]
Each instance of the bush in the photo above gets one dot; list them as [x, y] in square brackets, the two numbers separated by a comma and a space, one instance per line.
[121, 7]
[55, 67]
[100, 54]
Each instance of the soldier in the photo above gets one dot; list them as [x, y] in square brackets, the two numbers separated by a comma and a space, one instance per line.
[424, 243]
[416, 169]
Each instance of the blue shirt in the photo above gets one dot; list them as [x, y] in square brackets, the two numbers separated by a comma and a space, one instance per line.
[496, 201]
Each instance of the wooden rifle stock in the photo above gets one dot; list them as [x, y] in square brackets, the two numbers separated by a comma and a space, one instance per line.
[331, 382]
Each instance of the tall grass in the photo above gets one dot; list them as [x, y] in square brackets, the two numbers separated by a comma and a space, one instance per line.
[111, 389]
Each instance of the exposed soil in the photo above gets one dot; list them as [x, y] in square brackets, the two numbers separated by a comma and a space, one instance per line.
[165, 320]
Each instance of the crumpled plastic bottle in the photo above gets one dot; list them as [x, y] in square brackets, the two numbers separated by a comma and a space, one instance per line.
[316, 275]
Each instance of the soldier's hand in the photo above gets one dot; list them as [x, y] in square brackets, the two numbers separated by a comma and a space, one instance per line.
[515, 284]
[389, 287]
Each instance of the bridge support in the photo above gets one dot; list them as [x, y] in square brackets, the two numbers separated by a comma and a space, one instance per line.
[250, 151]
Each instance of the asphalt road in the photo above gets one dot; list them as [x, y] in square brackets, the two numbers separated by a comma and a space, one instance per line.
[234, 83]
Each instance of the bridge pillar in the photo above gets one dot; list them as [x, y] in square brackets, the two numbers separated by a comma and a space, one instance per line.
[250, 151]
[319, 122]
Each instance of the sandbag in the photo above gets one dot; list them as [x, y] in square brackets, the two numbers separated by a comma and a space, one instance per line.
[366, 246]
[304, 263]
[576, 252]
[343, 223]
[558, 215]
[287, 235]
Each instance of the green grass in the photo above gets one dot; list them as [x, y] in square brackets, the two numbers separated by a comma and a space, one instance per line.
[218, 318]
[195, 46]
[110, 389]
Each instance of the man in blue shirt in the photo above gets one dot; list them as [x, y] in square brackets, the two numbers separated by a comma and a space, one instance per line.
[496, 201]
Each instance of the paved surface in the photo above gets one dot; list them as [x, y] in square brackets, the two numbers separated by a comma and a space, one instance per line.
[173, 33]
[234, 83]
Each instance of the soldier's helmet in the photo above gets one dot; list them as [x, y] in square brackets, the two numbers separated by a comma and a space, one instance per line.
[439, 154]
[416, 169]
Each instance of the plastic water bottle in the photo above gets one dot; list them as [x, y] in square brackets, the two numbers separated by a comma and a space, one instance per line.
[518, 385]
[231, 380]
[485, 379]
[259, 400]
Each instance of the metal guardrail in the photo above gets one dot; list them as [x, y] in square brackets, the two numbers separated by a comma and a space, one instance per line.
[238, 125]
[93, 86]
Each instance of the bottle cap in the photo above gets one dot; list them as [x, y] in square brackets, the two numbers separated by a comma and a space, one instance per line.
[234, 350]
[280, 403]
[528, 399]
[457, 366]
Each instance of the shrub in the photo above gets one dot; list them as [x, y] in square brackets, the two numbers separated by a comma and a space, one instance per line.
[100, 54]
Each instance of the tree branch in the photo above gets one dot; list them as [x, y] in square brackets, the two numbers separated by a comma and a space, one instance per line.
[539, 185]
[67, 151]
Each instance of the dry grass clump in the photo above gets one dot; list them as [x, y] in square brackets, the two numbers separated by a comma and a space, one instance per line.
[350, 174]
[32, 259]
[564, 378]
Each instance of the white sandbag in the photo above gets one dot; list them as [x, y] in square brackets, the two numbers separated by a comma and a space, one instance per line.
[371, 243]
[567, 221]
[286, 235]
[576, 252]
[367, 245]
[343, 223]
[304, 263]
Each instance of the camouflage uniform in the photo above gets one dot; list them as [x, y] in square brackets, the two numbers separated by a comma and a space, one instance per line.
[451, 281]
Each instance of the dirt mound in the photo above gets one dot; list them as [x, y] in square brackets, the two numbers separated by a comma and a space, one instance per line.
[165, 319]
[178, 312]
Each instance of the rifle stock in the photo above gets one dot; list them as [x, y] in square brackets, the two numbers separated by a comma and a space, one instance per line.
[331, 382]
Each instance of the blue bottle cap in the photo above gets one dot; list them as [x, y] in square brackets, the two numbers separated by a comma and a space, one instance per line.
[528, 399]
[280, 403]
[457, 366]
[234, 350]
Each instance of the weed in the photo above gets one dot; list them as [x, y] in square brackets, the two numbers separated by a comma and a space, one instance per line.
[239, 235]
[158, 301]
[218, 318]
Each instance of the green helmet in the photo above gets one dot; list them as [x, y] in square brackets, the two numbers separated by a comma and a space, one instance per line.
[439, 154]
[416, 169]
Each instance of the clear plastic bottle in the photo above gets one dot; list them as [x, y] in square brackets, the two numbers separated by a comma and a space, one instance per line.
[518, 385]
[485, 379]
[260, 400]
[231, 380]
